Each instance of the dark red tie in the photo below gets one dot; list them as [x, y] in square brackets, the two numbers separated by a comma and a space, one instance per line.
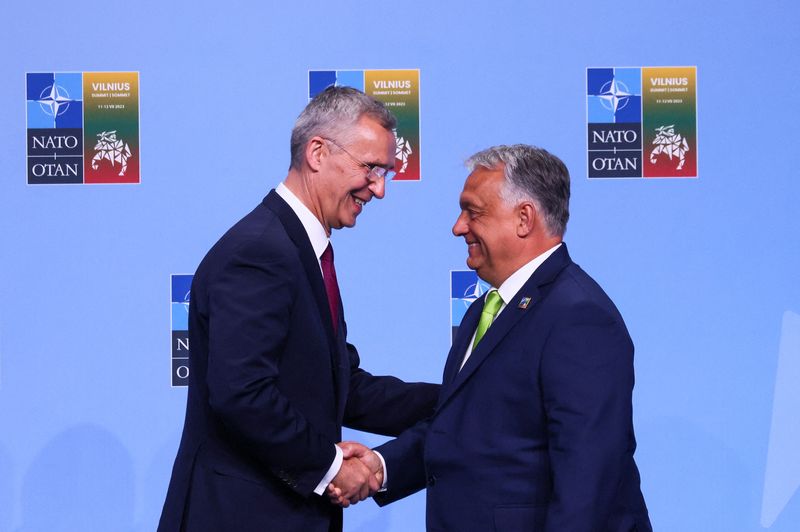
[331, 285]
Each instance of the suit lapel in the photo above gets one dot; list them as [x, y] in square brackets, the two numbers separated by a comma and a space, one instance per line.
[496, 332]
[296, 231]
[338, 350]
[463, 336]
[508, 318]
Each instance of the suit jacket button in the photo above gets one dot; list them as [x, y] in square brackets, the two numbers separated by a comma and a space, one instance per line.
[431, 480]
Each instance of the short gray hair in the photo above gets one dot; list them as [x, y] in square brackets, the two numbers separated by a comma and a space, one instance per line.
[331, 113]
[534, 174]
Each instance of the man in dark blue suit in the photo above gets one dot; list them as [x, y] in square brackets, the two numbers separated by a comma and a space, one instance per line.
[533, 428]
[272, 377]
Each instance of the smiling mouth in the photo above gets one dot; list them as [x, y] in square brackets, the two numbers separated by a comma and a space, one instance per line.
[359, 201]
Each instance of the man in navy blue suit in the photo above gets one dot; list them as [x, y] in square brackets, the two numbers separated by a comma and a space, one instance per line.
[533, 427]
[272, 377]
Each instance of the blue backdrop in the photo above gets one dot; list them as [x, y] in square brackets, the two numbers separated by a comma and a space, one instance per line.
[705, 271]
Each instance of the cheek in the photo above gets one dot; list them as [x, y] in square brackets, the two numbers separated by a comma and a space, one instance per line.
[346, 191]
[479, 232]
[341, 196]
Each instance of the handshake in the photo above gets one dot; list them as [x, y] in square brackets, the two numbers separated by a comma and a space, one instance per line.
[360, 476]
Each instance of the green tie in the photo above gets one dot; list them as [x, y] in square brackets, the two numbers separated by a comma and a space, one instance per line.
[490, 309]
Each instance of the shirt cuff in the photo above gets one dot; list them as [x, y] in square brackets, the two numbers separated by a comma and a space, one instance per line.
[385, 473]
[333, 471]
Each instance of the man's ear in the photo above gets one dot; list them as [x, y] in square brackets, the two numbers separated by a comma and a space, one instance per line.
[526, 219]
[315, 151]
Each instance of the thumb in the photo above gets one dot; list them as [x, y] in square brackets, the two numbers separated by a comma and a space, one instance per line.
[352, 449]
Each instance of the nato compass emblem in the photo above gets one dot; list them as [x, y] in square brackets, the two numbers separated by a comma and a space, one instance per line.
[465, 288]
[54, 100]
[614, 95]
[473, 292]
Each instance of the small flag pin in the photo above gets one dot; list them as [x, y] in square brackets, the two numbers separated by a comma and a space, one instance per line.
[524, 302]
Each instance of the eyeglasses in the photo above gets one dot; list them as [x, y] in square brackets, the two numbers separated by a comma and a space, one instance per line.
[374, 172]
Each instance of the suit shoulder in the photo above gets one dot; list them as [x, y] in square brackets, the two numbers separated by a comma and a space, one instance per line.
[574, 289]
[259, 237]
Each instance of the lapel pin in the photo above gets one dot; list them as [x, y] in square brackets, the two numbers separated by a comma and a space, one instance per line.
[524, 302]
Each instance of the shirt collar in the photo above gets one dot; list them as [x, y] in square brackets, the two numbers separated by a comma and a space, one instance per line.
[316, 233]
[514, 283]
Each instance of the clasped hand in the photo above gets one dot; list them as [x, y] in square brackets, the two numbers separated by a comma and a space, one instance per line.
[360, 476]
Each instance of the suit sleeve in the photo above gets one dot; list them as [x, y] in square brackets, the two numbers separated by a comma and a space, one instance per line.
[248, 307]
[385, 405]
[405, 464]
[587, 383]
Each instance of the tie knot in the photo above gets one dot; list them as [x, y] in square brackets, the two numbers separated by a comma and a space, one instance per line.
[493, 303]
[327, 255]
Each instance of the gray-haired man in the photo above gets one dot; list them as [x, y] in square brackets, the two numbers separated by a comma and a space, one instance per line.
[533, 428]
[272, 377]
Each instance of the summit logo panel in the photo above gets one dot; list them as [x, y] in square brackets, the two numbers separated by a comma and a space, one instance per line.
[399, 91]
[82, 127]
[642, 122]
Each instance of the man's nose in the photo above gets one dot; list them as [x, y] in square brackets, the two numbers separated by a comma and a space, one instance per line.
[460, 227]
[378, 187]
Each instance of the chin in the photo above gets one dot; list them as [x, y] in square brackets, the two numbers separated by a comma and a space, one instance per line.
[345, 222]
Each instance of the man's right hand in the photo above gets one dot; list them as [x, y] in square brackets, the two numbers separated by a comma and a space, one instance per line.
[352, 482]
[360, 476]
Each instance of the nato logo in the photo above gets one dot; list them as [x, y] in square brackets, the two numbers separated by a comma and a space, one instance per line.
[319, 80]
[465, 288]
[614, 112]
[55, 100]
[181, 286]
[55, 127]
[614, 95]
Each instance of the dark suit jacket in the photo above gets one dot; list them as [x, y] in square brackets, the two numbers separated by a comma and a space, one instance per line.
[270, 386]
[535, 433]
